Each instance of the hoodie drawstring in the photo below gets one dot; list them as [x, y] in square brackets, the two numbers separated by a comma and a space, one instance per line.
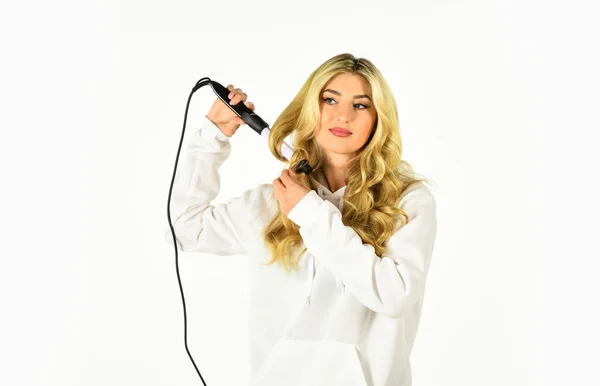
[311, 275]
[311, 267]
[340, 286]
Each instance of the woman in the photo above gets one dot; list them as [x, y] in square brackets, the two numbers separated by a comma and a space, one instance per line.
[338, 258]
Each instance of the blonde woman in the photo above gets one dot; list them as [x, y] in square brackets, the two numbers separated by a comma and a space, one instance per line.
[339, 257]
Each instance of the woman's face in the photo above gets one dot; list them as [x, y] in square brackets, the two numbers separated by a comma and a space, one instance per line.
[345, 102]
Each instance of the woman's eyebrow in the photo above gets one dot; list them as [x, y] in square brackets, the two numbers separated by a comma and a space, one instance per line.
[340, 94]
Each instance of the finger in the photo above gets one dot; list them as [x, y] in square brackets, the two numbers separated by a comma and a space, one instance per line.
[233, 92]
[231, 95]
[279, 182]
[277, 185]
[250, 105]
[285, 177]
[238, 97]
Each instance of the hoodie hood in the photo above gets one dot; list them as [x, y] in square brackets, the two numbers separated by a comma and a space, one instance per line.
[335, 198]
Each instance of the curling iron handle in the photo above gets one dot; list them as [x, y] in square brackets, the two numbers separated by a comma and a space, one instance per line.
[253, 121]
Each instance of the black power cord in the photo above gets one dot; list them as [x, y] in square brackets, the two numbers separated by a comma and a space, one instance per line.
[246, 115]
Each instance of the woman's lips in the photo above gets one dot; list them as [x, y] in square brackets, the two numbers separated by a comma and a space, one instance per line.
[340, 132]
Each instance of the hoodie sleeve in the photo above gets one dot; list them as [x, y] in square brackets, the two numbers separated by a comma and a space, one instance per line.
[198, 225]
[389, 285]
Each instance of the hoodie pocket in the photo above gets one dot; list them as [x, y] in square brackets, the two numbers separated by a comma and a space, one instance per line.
[311, 363]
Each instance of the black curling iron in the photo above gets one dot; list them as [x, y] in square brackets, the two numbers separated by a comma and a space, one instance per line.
[255, 122]
[258, 125]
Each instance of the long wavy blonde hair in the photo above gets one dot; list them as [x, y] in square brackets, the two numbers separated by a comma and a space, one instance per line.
[376, 176]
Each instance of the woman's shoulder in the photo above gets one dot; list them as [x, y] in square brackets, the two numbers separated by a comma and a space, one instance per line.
[417, 188]
[416, 194]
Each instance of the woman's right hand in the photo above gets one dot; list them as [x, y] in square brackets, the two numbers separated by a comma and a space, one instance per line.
[223, 117]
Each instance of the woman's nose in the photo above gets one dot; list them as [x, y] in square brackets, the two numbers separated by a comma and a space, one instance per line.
[342, 114]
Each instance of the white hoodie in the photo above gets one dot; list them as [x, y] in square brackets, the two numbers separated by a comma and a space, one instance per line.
[349, 317]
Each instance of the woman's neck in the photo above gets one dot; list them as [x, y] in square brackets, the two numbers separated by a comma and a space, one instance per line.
[335, 177]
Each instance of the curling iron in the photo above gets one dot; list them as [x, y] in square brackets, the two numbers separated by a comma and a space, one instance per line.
[255, 122]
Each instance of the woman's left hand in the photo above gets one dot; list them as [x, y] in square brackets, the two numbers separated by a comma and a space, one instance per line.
[288, 191]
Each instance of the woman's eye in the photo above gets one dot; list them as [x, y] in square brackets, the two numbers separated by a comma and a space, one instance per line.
[356, 104]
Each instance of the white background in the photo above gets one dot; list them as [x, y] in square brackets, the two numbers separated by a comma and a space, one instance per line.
[498, 104]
